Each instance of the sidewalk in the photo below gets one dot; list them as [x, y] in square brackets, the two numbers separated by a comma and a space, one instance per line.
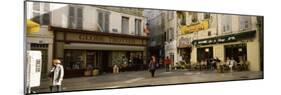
[141, 78]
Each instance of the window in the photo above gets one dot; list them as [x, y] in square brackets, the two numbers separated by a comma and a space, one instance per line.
[207, 15]
[41, 13]
[138, 27]
[46, 19]
[36, 6]
[125, 25]
[73, 59]
[75, 17]
[46, 15]
[170, 15]
[103, 20]
[46, 7]
[194, 17]
[79, 18]
[245, 22]
[171, 31]
[36, 17]
[209, 33]
[226, 23]
[182, 18]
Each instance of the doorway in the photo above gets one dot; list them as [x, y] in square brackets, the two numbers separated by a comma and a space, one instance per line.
[44, 50]
[103, 61]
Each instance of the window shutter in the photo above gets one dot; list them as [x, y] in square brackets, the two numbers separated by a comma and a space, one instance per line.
[106, 19]
[79, 18]
[71, 17]
[100, 20]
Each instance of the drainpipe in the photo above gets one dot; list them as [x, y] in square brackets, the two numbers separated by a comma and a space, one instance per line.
[217, 24]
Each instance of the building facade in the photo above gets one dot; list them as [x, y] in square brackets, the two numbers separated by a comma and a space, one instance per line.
[170, 35]
[222, 36]
[97, 37]
[163, 36]
[41, 40]
[155, 22]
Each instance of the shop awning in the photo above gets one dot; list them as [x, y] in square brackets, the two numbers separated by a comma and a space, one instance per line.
[103, 47]
[226, 38]
[32, 26]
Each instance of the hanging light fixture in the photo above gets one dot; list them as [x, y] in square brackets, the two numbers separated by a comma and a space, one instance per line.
[240, 49]
[207, 50]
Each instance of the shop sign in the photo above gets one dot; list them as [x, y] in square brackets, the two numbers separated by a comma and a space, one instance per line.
[224, 39]
[195, 27]
[103, 39]
[184, 42]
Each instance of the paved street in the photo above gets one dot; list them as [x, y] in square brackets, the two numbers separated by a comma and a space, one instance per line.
[140, 78]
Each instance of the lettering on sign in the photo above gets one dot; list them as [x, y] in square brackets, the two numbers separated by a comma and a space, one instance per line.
[90, 37]
[104, 39]
[195, 27]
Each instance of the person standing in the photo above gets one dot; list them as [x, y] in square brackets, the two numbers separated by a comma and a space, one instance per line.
[56, 75]
[152, 66]
[167, 63]
[231, 63]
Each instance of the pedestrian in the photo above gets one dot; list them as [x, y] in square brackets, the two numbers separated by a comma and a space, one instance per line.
[217, 61]
[231, 63]
[152, 65]
[115, 69]
[213, 64]
[167, 63]
[209, 64]
[56, 75]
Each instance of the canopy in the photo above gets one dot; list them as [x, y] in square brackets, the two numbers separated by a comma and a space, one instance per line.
[32, 26]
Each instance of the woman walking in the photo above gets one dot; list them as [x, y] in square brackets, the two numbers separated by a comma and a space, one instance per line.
[56, 75]
[152, 66]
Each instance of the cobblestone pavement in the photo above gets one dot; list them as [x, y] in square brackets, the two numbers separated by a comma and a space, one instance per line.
[141, 78]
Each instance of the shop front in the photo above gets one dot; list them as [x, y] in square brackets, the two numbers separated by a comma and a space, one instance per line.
[42, 41]
[82, 51]
[236, 51]
[171, 51]
[185, 48]
[239, 46]
[204, 53]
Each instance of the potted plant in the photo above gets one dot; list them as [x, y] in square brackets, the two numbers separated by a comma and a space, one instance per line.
[95, 71]
[88, 70]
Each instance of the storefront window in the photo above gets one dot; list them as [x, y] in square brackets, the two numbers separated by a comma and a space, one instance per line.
[117, 57]
[73, 59]
[204, 53]
[238, 52]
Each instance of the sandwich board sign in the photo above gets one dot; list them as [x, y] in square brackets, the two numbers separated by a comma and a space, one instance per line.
[34, 62]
